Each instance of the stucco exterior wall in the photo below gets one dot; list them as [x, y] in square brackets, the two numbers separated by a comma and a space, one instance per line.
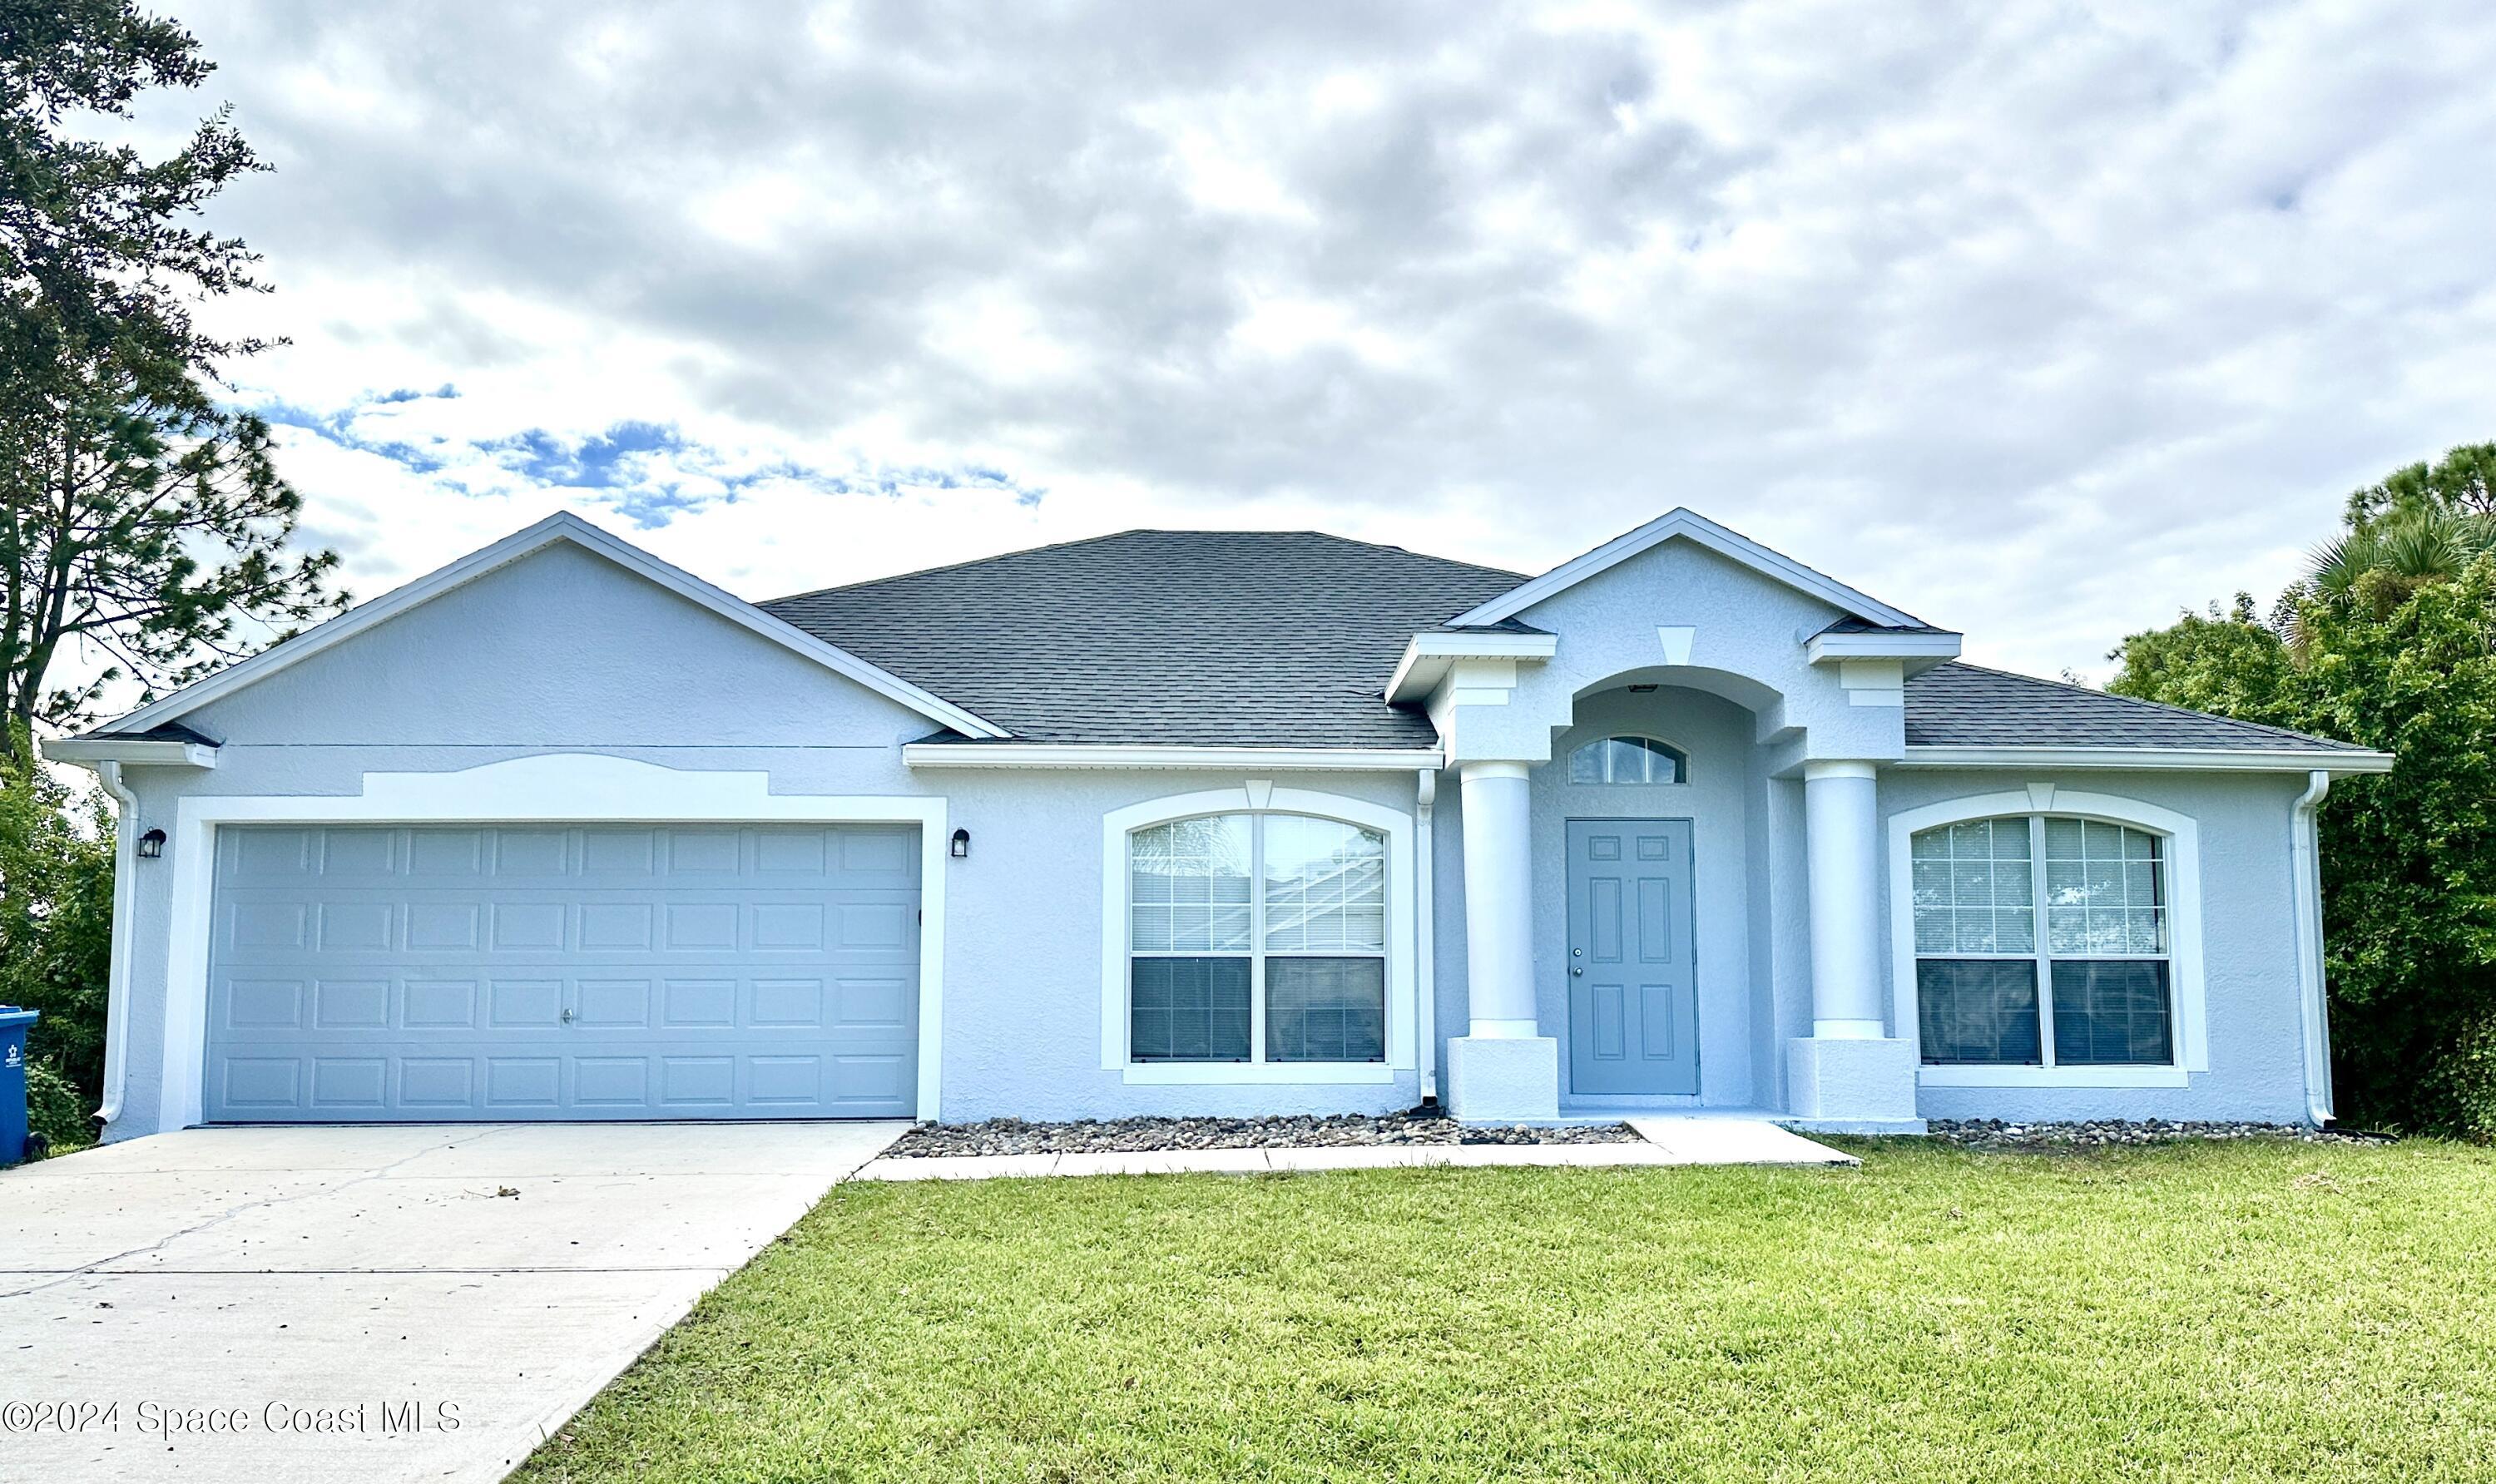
[564, 652]
[2256, 1032]
[1746, 644]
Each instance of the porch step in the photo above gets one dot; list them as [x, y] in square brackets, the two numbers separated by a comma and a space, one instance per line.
[1735, 1141]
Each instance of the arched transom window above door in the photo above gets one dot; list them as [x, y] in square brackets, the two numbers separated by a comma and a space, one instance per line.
[1629, 758]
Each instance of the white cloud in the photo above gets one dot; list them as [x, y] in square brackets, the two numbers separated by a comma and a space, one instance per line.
[2039, 320]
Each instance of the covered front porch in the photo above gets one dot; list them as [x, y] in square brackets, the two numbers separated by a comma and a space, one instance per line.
[1666, 837]
[1646, 928]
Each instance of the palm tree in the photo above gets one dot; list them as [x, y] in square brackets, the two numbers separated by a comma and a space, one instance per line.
[2385, 560]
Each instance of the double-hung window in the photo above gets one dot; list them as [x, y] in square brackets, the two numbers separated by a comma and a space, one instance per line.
[2043, 941]
[1256, 937]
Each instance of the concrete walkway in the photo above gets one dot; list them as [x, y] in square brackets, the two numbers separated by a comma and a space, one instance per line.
[268, 1304]
[1692, 1140]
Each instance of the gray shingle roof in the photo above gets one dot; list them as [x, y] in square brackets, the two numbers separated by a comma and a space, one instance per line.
[1247, 639]
[1967, 706]
[165, 732]
[1205, 639]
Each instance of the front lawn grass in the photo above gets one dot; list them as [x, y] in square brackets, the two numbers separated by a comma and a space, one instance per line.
[2264, 1310]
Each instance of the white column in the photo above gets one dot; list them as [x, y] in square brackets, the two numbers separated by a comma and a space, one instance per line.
[1841, 825]
[1499, 938]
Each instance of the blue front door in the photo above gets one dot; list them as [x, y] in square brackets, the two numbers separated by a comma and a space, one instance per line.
[1633, 991]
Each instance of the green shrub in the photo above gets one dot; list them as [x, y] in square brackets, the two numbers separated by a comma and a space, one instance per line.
[56, 1109]
[56, 914]
[2461, 1086]
[2409, 857]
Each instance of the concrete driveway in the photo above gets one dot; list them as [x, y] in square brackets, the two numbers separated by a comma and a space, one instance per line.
[370, 1303]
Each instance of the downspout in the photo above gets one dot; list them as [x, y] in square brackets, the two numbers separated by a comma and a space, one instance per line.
[117, 1003]
[2306, 850]
[1425, 912]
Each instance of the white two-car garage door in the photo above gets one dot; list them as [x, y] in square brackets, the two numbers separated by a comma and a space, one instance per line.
[547, 972]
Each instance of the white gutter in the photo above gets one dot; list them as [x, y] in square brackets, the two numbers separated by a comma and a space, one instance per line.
[2196, 759]
[2306, 856]
[117, 991]
[1425, 1020]
[89, 752]
[1052, 755]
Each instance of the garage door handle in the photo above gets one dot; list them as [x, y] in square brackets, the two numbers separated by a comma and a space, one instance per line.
[567, 1015]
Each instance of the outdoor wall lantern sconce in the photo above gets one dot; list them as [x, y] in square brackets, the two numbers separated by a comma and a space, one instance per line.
[961, 845]
[151, 845]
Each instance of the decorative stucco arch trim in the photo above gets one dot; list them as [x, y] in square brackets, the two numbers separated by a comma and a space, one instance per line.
[1262, 797]
[560, 788]
[2184, 929]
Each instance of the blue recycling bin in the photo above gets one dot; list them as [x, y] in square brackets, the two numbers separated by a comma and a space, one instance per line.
[12, 1081]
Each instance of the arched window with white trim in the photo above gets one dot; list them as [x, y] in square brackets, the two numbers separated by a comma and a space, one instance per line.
[1256, 937]
[1628, 758]
[2045, 941]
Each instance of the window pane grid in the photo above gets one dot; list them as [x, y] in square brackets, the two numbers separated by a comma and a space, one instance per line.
[1325, 886]
[1256, 937]
[1188, 888]
[2102, 890]
[2110, 1012]
[1326, 1009]
[1973, 889]
[1189, 1009]
[1979, 1011]
[1979, 886]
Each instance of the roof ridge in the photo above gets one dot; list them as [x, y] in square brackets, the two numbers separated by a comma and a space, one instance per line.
[2138, 700]
[1110, 535]
[929, 572]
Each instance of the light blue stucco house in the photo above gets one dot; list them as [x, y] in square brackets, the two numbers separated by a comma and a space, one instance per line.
[1177, 823]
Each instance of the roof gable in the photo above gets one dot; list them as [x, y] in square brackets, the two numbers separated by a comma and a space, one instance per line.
[1689, 525]
[562, 527]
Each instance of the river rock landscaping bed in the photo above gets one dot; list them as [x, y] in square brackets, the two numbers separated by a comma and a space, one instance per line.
[1146, 1135]
[1993, 1133]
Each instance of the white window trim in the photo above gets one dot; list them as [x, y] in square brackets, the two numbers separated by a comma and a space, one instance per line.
[2184, 933]
[546, 788]
[1259, 797]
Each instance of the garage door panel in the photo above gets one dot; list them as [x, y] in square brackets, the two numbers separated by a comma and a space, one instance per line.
[589, 972]
[438, 1004]
[352, 1004]
[614, 1004]
[340, 1083]
[445, 856]
[863, 1080]
[433, 1086]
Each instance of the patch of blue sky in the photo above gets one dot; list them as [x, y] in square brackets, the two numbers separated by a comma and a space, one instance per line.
[601, 461]
[339, 427]
[648, 472]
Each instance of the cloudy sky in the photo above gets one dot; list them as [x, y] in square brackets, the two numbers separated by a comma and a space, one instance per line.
[2041, 320]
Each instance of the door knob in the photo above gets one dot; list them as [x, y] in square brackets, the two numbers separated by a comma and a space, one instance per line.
[1576, 971]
